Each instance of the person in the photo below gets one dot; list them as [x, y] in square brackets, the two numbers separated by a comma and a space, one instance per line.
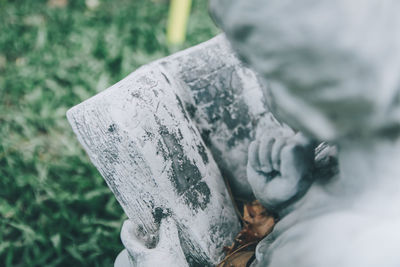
[332, 72]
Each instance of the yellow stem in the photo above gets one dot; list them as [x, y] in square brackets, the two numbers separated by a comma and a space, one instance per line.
[177, 21]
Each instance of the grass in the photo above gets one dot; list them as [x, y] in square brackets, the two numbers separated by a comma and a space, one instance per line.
[55, 209]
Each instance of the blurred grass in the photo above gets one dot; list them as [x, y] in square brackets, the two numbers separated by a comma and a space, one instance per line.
[55, 209]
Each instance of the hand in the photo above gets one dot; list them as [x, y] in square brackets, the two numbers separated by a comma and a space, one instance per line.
[168, 251]
[279, 167]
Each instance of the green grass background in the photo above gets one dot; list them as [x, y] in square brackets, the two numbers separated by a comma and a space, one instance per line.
[55, 209]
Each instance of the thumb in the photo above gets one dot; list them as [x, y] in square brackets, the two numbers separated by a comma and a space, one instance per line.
[168, 234]
[169, 244]
[129, 237]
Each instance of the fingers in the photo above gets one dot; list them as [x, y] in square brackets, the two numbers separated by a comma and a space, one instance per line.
[264, 154]
[291, 155]
[276, 153]
[253, 159]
